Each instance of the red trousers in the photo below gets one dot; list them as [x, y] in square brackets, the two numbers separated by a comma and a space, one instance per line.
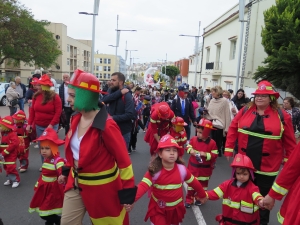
[11, 169]
[23, 158]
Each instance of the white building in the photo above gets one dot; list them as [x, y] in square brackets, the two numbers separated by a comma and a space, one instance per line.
[221, 47]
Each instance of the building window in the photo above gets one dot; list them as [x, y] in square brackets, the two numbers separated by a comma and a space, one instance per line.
[97, 75]
[97, 68]
[105, 61]
[104, 68]
[204, 83]
[108, 61]
[98, 60]
[108, 76]
[218, 55]
[232, 49]
[215, 83]
[68, 48]
[100, 75]
[104, 76]
[207, 54]
[68, 61]
[108, 68]
[228, 86]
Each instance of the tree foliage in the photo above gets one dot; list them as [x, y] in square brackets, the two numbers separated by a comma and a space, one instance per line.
[22, 38]
[281, 40]
[172, 72]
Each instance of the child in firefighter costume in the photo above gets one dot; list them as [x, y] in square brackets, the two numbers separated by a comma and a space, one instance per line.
[98, 174]
[204, 152]
[48, 195]
[241, 197]
[163, 181]
[178, 132]
[160, 123]
[9, 151]
[20, 128]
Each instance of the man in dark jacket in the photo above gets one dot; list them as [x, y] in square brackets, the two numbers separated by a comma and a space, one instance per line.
[182, 106]
[120, 105]
[63, 94]
[21, 89]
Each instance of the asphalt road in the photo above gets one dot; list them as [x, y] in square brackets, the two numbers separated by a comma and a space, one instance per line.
[14, 203]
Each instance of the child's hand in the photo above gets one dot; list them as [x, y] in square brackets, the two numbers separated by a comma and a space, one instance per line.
[261, 203]
[192, 152]
[203, 154]
[203, 200]
[128, 207]
[62, 179]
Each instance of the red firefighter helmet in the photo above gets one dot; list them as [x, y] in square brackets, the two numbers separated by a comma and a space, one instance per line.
[20, 115]
[207, 126]
[85, 81]
[242, 161]
[178, 121]
[265, 87]
[168, 141]
[8, 122]
[163, 111]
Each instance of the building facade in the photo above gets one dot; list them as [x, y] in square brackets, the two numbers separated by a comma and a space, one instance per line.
[221, 48]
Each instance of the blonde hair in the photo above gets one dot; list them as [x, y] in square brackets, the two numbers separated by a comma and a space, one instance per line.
[217, 89]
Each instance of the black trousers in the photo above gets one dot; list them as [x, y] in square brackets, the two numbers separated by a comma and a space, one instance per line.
[133, 140]
[264, 184]
[217, 136]
[52, 219]
[68, 112]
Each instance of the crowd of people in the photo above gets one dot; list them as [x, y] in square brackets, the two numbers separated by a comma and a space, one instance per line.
[97, 167]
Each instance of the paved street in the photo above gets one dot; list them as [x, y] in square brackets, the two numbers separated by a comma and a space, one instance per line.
[15, 202]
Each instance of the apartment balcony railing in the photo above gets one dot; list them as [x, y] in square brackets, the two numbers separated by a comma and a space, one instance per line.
[213, 68]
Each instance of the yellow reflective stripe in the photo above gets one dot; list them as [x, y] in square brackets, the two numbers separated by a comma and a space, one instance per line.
[97, 182]
[7, 163]
[260, 135]
[152, 121]
[231, 204]
[60, 164]
[190, 188]
[205, 188]
[250, 205]
[168, 187]
[7, 152]
[3, 146]
[255, 195]
[49, 179]
[215, 152]
[147, 181]
[118, 220]
[190, 180]
[219, 192]
[169, 203]
[208, 156]
[228, 149]
[278, 189]
[285, 159]
[36, 184]
[45, 212]
[203, 178]
[48, 166]
[105, 172]
[126, 173]
[183, 139]
[280, 218]
[267, 173]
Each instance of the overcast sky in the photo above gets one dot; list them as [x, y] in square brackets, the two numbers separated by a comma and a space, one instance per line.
[158, 23]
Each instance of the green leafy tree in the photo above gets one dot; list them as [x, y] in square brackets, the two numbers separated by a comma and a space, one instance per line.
[172, 72]
[281, 40]
[22, 38]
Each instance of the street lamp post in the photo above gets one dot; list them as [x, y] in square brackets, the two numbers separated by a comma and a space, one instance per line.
[118, 38]
[196, 52]
[96, 10]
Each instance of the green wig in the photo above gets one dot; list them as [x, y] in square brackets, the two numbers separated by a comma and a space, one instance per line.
[85, 100]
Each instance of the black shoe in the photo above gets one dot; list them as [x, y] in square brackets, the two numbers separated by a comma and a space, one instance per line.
[198, 203]
[133, 149]
[187, 205]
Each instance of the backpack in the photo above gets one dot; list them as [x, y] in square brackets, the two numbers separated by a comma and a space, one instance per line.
[21, 147]
[279, 111]
[182, 170]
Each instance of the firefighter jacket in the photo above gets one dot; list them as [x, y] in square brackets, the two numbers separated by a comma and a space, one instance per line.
[288, 183]
[180, 137]
[20, 129]
[104, 170]
[9, 146]
[264, 139]
[240, 204]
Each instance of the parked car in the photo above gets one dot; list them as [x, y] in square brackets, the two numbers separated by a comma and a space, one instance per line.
[3, 86]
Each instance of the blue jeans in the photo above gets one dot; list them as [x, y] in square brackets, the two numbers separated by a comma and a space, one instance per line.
[127, 140]
[21, 104]
[39, 132]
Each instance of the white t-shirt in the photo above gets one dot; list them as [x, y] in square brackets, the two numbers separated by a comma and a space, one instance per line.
[66, 95]
[75, 144]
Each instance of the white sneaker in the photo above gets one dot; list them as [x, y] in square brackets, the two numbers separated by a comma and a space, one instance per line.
[23, 170]
[40, 169]
[15, 184]
[7, 183]
[36, 146]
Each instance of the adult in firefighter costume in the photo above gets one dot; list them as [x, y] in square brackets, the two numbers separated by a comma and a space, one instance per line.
[9, 151]
[265, 134]
[287, 183]
[99, 176]
[160, 124]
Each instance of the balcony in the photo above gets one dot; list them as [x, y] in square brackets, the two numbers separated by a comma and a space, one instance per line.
[213, 68]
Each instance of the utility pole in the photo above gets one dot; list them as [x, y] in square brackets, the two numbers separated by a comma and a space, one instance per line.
[197, 52]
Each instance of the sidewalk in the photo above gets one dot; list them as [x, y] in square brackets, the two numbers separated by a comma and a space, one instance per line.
[4, 110]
